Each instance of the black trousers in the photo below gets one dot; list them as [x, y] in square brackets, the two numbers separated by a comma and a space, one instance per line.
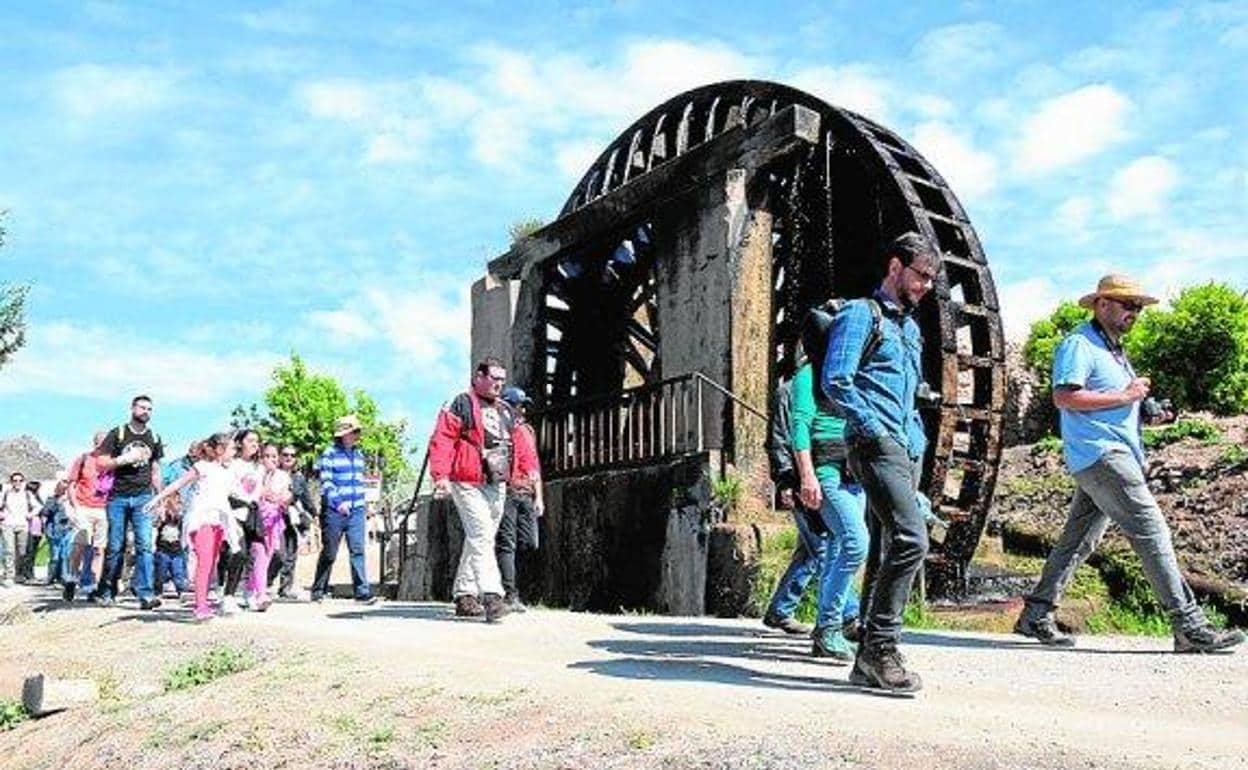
[284, 563]
[516, 530]
[231, 566]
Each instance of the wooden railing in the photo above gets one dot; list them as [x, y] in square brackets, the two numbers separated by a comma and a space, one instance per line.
[636, 426]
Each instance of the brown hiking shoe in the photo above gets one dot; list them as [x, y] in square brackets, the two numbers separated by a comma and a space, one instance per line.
[1206, 638]
[788, 624]
[495, 608]
[881, 667]
[467, 606]
[1042, 628]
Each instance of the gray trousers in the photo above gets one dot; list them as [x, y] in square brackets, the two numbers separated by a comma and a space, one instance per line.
[13, 544]
[1113, 489]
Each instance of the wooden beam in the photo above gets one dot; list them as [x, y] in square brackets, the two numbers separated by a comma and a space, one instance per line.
[739, 147]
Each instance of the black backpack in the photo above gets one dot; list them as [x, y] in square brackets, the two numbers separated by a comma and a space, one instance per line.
[816, 327]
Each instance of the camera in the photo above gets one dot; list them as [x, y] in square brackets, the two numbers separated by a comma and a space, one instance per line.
[926, 398]
[1158, 411]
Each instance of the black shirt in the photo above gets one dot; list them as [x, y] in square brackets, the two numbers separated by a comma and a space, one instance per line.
[134, 479]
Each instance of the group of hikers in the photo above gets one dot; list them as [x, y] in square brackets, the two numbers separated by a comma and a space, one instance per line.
[234, 511]
[846, 448]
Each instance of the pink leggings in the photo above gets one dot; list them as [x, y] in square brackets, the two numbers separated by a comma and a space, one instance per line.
[207, 544]
[261, 554]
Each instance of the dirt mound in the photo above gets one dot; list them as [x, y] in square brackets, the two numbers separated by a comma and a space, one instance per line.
[1200, 484]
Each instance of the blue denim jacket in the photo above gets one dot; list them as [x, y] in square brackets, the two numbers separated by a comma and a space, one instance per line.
[876, 399]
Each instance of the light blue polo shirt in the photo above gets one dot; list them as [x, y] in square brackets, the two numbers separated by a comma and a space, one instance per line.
[1083, 359]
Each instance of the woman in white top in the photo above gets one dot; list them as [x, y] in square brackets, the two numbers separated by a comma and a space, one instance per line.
[274, 497]
[208, 520]
[244, 494]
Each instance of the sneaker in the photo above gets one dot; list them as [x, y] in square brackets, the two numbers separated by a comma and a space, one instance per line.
[149, 604]
[1042, 628]
[788, 624]
[366, 601]
[1206, 638]
[467, 606]
[203, 617]
[67, 591]
[852, 630]
[318, 597]
[102, 600]
[495, 608]
[515, 605]
[883, 668]
[228, 605]
[830, 642]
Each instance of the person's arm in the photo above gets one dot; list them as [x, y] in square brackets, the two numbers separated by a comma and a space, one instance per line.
[1072, 366]
[304, 493]
[846, 340]
[802, 416]
[446, 432]
[186, 478]
[328, 488]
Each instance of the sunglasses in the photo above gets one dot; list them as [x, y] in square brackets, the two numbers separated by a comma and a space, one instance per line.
[1129, 305]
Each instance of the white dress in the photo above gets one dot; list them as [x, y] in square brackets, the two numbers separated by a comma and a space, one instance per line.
[211, 505]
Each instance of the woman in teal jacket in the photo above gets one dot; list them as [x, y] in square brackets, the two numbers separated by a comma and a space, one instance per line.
[819, 445]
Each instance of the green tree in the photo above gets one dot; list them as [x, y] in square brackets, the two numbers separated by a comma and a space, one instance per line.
[12, 311]
[1044, 337]
[300, 410]
[1196, 352]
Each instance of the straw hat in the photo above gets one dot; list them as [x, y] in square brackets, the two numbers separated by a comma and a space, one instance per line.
[1116, 286]
[348, 424]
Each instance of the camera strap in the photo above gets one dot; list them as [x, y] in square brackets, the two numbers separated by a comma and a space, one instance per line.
[1115, 349]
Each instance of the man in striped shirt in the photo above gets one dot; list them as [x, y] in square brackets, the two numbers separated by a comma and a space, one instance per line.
[341, 470]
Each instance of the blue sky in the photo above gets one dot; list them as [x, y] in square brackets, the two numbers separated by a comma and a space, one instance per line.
[196, 190]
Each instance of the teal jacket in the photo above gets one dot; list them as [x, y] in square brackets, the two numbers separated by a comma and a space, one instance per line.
[811, 423]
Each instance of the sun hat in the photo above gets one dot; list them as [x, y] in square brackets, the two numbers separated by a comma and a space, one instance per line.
[1118, 286]
[348, 424]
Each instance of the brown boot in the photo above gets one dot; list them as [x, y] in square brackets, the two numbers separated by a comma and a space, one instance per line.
[467, 606]
[495, 608]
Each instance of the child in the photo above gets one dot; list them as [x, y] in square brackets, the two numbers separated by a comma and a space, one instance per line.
[170, 556]
[58, 527]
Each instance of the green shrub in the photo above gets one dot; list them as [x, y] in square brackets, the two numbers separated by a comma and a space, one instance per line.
[1043, 338]
[210, 666]
[1197, 352]
[1165, 435]
[728, 491]
[1047, 445]
[12, 714]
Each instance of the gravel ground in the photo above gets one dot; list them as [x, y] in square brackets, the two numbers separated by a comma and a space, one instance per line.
[407, 685]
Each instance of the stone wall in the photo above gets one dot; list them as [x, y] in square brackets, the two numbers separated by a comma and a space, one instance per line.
[1027, 416]
[628, 539]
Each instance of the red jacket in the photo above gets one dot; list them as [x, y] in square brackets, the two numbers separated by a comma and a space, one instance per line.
[458, 435]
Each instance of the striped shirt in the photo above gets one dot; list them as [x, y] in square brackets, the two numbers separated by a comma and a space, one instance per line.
[342, 477]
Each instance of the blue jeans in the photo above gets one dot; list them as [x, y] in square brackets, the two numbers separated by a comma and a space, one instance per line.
[844, 514]
[171, 565]
[331, 537]
[58, 557]
[123, 511]
[807, 560]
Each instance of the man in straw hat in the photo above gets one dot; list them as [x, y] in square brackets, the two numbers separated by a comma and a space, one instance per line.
[341, 469]
[1098, 395]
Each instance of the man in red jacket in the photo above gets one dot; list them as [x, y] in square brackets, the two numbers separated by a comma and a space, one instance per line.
[472, 455]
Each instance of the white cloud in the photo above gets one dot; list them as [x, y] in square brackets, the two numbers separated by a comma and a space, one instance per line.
[961, 49]
[854, 87]
[1072, 127]
[342, 325]
[574, 158]
[390, 134]
[88, 90]
[64, 358]
[339, 99]
[971, 172]
[1073, 217]
[1025, 301]
[1140, 189]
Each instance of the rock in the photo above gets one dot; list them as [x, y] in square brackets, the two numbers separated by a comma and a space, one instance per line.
[43, 695]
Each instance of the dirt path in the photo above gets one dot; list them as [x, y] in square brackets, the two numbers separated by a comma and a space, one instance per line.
[407, 685]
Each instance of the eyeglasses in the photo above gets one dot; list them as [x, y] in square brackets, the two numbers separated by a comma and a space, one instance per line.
[1129, 305]
[928, 278]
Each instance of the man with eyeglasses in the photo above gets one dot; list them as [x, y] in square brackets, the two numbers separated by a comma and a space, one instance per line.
[18, 505]
[1098, 395]
[471, 459]
[875, 387]
[299, 515]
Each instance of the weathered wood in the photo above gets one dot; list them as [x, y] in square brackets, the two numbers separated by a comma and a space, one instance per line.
[42, 694]
[740, 147]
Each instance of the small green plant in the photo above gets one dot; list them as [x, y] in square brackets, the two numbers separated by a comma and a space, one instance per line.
[432, 733]
[12, 713]
[381, 737]
[641, 740]
[1181, 430]
[523, 228]
[210, 666]
[1048, 445]
[728, 491]
[1233, 455]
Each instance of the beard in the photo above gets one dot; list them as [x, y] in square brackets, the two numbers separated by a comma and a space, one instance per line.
[143, 418]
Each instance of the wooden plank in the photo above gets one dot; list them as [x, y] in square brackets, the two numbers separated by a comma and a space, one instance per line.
[739, 147]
